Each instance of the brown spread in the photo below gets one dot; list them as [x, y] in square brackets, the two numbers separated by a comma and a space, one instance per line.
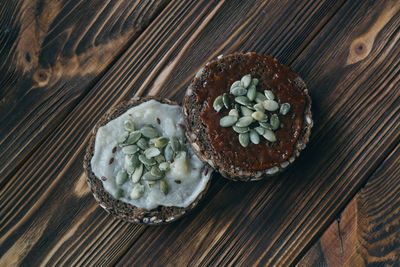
[272, 76]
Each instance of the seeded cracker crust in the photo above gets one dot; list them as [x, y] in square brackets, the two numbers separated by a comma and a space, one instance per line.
[117, 208]
[198, 137]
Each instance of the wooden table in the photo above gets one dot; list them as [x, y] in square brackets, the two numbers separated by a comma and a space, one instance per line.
[65, 63]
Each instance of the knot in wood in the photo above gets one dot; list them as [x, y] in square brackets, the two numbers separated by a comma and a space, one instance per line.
[41, 77]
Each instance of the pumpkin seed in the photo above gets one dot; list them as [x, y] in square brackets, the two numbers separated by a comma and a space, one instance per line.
[259, 130]
[175, 144]
[150, 177]
[274, 121]
[131, 149]
[155, 171]
[258, 116]
[123, 137]
[168, 153]
[218, 104]
[142, 143]
[146, 161]
[240, 129]
[164, 166]
[161, 142]
[228, 121]
[285, 107]
[269, 95]
[243, 100]
[129, 126]
[159, 158]
[270, 105]
[151, 152]
[254, 137]
[260, 98]
[164, 187]
[238, 91]
[244, 121]
[120, 193]
[235, 84]
[259, 107]
[246, 80]
[269, 135]
[252, 92]
[122, 176]
[226, 100]
[233, 112]
[137, 191]
[137, 174]
[254, 81]
[265, 125]
[149, 132]
[134, 160]
[133, 137]
[246, 111]
[244, 139]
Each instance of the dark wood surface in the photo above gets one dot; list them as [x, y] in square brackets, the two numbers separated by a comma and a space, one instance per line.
[65, 63]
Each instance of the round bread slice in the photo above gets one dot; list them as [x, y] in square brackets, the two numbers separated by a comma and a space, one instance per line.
[124, 210]
[220, 146]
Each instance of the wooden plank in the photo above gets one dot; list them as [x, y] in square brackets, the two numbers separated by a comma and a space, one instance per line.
[49, 61]
[368, 230]
[173, 46]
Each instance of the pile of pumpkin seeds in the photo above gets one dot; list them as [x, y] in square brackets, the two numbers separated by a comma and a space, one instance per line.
[252, 114]
[147, 157]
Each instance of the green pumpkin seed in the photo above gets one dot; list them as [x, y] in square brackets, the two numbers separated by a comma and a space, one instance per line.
[254, 137]
[259, 107]
[151, 152]
[269, 135]
[285, 107]
[265, 125]
[159, 158]
[137, 191]
[252, 92]
[218, 104]
[260, 98]
[226, 100]
[142, 143]
[235, 84]
[233, 112]
[137, 174]
[168, 153]
[121, 178]
[164, 187]
[228, 121]
[246, 111]
[122, 137]
[274, 121]
[259, 130]
[161, 142]
[164, 166]
[149, 132]
[131, 149]
[270, 105]
[243, 100]
[269, 95]
[155, 171]
[238, 91]
[133, 138]
[175, 144]
[246, 80]
[150, 177]
[259, 116]
[120, 193]
[146, 161]
[129, 126]
[244, 121]
[240, 129]
[254, 81]
[244, 139]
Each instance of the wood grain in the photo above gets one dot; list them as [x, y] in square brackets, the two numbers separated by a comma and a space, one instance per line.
[356, 107]
[49, 62]
[368, 230]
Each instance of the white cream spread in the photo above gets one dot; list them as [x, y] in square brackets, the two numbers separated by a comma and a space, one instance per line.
[186, 168]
